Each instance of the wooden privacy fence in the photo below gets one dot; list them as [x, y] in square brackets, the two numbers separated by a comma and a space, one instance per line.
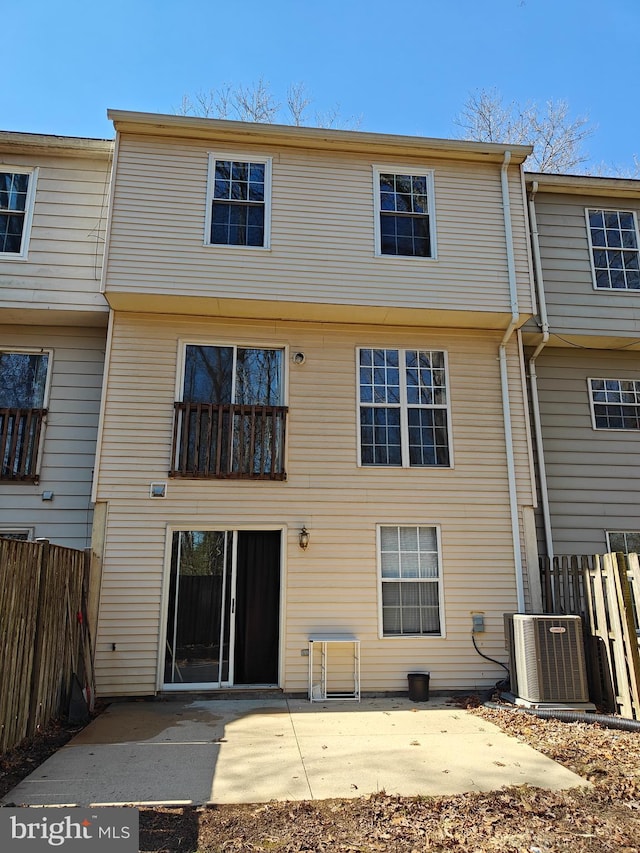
[45, 646]
[605, 591]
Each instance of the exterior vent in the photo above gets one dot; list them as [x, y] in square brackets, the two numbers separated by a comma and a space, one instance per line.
[547, 654]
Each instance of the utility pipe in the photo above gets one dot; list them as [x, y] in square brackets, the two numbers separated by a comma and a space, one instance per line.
[504, 382]
[606, 720]
[533, 376]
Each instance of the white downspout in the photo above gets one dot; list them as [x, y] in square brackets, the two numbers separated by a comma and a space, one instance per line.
[504, 383]
[533, 377]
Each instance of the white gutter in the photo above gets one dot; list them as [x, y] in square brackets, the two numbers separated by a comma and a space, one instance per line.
[533, 377]
[504, 383]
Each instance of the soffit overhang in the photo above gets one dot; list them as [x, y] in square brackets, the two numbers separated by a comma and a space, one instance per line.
[344, 141]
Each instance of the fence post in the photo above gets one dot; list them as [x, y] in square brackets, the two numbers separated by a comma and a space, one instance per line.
[38, 640]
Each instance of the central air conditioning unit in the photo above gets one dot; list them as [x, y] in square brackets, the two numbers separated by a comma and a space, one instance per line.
[546, 655]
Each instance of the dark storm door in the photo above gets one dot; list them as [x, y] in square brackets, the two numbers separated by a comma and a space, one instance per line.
[257, 607]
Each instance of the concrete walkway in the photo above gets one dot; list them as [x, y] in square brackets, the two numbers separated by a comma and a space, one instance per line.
[245, 751]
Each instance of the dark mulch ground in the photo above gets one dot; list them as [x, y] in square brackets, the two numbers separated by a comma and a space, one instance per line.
[603, 818]
[24, 759]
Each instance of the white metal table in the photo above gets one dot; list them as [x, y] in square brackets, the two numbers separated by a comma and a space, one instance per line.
[320, 690]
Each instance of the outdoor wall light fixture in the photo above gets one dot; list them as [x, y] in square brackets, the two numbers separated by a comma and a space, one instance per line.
[303, 538]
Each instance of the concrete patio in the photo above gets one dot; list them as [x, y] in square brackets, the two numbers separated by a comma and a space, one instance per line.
[239, 751]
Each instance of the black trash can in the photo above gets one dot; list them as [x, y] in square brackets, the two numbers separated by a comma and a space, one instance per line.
[418, 686]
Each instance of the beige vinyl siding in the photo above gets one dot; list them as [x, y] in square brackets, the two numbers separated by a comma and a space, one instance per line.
[333, 585]
[322, 233]
[593, 476]
[64, 263]
[69, 437]
[573, 305]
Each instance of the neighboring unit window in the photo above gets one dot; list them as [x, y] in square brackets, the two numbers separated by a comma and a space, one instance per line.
[230, 421]
[613, 235]
[239, 198]
[15, 208]
[626, 541]
[615, 403]
[403, 408]
[23, 534]
[410, 580]
[23, 382]
[405, 216]
[629, 543]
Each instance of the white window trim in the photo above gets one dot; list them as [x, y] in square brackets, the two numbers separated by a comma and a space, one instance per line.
[242, 157]
[32, 171]
[36, 351]
[45, 396]
[592, 402]
[234, 344]
[625, 532]
[405, 170]
[404, 428]
[394, 637]
[591, 261]
[16, 529]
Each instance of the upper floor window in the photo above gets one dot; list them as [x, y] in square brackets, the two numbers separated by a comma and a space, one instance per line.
[23, 389]
[615, 403]
[231, 419]
[404, 418]
[411, 594]
[404, 213]
[613, 236]
[16, 202]
[239, 202]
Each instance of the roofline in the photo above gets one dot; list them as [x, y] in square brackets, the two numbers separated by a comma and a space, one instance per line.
[158, 124]
[584, 184]
[42, 143]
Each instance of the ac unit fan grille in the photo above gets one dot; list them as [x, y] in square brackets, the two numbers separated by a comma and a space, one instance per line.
[549, 658]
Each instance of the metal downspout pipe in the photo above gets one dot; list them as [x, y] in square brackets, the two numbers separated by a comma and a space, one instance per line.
[504, 383]
[533, 376]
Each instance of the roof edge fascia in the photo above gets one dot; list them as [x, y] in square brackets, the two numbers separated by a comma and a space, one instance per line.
[157, 124]
[42, 143]
[584, 184]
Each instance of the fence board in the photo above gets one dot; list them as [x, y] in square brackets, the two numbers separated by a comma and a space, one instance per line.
[605, 591]
[43, 634]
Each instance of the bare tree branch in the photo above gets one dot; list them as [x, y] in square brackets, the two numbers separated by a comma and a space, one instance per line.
[297, 101]
[256, 103]
[557, 139]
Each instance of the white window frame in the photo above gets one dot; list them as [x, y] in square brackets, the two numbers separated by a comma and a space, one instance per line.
[235, 346]
[431, 209]
[404, 406]
[32, 171]
[593, 403]
[439, 580]
[27, 531]
[588, 210]
[238, 157]
[625, 533]
[45, 396]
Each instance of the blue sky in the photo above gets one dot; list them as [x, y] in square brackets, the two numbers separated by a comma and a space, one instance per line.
[401, 67]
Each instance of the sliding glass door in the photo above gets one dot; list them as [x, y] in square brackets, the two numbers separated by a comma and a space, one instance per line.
[223, 608]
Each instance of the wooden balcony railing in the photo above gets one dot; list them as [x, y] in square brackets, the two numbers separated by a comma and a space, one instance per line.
[231, 441]
[20, 431]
